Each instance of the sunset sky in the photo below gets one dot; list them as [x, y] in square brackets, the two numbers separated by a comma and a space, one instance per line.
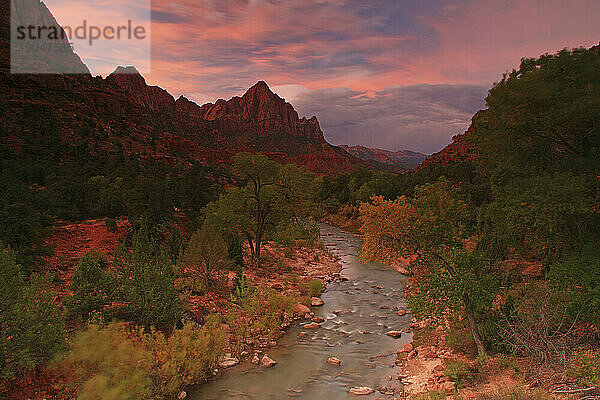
[395, 74]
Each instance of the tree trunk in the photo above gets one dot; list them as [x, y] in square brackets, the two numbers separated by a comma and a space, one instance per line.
[474, 330]
[257, 242]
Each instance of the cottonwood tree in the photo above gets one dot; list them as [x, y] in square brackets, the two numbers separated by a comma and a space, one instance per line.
[436, 226]
[266, 195]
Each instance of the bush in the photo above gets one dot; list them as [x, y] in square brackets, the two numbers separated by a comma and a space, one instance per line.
[260, 315]
[187, 357]
[105, 363]
[586, 368]
[91, 285]
[205, 258]
[111, 224]
[117, 362]
[241, 287]
[461, 372]
[288, 232]
[146, 293]
[315, 287]
[31, 326]
[431, 395]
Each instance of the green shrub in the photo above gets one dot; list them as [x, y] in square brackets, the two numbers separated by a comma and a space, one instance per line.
[241, 287]
[260, 315]
[315, 287]
[206, 257]
[106, 364]
[585, 368]
[461, 372]
[431, 395]
[461, 340]
[111, 224]
[185, 358]
[119, 363]
[31, 326]
[91, 285]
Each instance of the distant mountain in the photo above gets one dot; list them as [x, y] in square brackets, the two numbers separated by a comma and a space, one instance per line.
[403, 159]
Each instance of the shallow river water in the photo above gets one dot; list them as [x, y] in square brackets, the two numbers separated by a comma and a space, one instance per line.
[357, 336]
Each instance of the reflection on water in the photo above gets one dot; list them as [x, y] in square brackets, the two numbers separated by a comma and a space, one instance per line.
[356, 335]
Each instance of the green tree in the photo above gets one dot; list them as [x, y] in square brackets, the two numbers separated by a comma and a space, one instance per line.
[31, 326]
[92, 286]
[146, 284]
[206, 256]
[266, 194]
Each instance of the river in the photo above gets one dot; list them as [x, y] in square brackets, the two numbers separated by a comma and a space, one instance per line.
[357, 336]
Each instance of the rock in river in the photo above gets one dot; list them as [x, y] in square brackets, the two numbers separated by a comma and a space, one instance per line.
[361, 390]
[334, 361]
[302, 309]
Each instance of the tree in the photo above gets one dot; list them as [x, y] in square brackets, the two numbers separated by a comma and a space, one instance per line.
[266, 194]
[31, 326]
[206, 256]
[146, 284]
[436, 225]
[92, 286]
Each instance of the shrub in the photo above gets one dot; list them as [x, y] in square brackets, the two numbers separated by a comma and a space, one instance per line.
[147, 294]
[187, 357]
[461, 372]
[431, 395]
[145, 280]
[111, 224]
[105, 363]
[315, 287]
[288, 232]
[515, 394]
[586, 368]
[120, 363]
[91, 285]
[260, 315]
[241, 288]
[31, 326]
[206, 257]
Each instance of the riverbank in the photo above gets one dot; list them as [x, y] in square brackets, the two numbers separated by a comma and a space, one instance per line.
[282, 285]
[442, 363]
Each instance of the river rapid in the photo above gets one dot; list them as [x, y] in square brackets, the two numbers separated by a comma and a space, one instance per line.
[365, 306]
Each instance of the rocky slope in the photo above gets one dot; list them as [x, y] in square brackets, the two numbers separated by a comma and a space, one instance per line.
[402, 159]
[460, 149]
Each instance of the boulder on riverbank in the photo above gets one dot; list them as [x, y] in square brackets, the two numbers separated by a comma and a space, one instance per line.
[316, 302]
[267, 361]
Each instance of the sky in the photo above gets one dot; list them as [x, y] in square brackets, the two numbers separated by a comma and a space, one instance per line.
[393, 74]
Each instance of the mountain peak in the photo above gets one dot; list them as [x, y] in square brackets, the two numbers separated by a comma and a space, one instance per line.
[260, 89]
